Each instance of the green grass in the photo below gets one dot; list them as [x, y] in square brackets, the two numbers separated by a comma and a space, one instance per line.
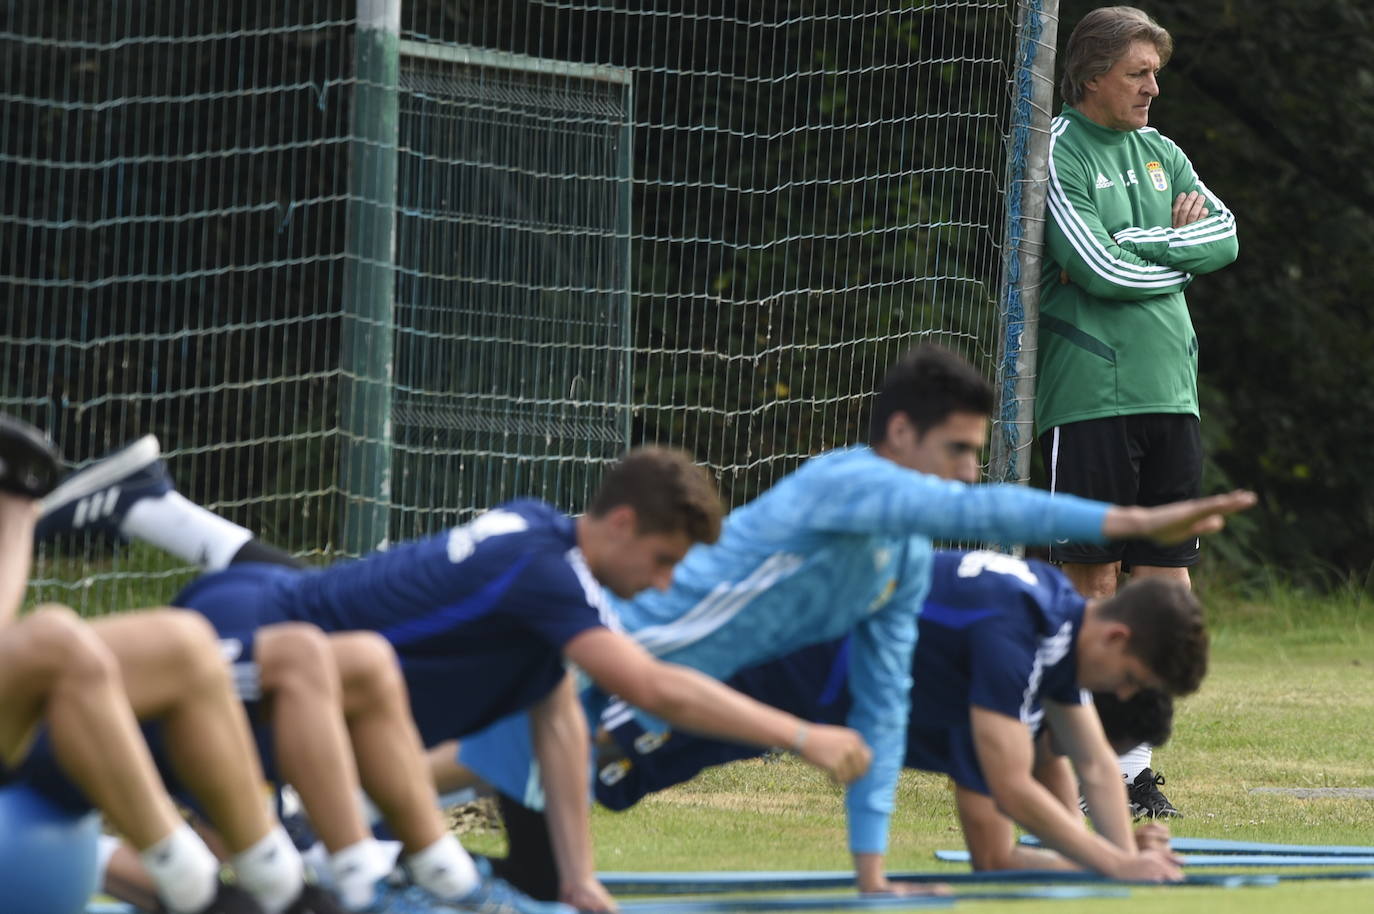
[1289, 703]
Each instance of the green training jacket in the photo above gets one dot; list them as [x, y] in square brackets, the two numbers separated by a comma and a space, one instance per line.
[1116, 339]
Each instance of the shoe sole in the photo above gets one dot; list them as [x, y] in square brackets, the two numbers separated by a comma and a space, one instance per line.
[29, 462]
[103, 473]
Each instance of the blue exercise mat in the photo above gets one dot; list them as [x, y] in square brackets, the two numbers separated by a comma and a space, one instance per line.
[859, 903]
[693, 883]
[710, 883]
[1224, 859]
[786, 903]
[1224, 846]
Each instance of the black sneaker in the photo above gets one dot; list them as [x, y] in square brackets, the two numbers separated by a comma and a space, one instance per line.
[1146, 800]
[29, 464]
[315, 900]
[231, 899]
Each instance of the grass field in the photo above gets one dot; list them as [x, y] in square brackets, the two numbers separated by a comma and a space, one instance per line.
[1289, 703]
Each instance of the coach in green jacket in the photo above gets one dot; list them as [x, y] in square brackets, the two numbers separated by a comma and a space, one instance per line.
[1129, 226]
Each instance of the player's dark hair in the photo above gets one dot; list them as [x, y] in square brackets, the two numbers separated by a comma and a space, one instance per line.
[669, 492]
[1145, 717]
[1099, 40]
[928, 384]
[1168, 631]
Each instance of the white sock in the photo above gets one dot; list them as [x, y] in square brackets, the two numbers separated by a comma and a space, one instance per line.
[356, 869]
[185, 529]
[184, 870]
[1134, 761]
[444, 869]
[105, 847]
[271, 871]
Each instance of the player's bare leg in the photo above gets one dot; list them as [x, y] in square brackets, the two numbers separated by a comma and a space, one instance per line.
[394, 768]
[1097, 581]
[173, 672]
[53, 668]
[300, 687]
[1180, 575]
[390, 755]
[449, 775]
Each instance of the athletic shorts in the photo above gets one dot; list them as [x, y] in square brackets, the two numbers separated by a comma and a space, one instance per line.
[948, 751]
[1148, 460]
[41, 773]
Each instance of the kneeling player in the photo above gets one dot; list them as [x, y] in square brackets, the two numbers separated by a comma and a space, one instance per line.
[1003, 644]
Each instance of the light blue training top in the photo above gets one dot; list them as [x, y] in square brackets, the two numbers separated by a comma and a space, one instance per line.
[842, 544]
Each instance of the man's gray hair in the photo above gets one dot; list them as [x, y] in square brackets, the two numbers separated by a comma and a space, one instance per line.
[1099, 40]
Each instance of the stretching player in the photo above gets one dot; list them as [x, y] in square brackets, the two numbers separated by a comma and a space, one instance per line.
[66, 690]
[844, 544]
[1002, 644]
[481, 617]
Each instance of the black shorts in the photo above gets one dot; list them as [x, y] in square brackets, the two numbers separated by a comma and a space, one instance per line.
[1149, 459]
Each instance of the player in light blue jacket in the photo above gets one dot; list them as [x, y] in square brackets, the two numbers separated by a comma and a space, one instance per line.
[844, 544]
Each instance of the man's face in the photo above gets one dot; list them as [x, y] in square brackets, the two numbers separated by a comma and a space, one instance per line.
[636, 561]
[1121, 97]
[949, 450]
[1106, 665]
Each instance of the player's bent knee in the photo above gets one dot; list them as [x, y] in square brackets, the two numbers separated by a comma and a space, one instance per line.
[295, 655]
[368, 667]
[59, 644]
[191, 642]
[188, 633]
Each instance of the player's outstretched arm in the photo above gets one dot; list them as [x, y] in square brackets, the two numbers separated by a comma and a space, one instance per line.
[558, 730]
[697, 703]
[1005, 755]
[1178, 521]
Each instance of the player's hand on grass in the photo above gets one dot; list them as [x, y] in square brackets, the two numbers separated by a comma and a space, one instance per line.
[908, 888]
[1176, 522]
[587, 895]
[840, 751]
[870, 875]
[1152, 836]
[1149, 866]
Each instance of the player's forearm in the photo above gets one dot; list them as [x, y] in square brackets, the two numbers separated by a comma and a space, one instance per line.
[559, 735]
[692, 701]
[1037, 811]
[1106, 800]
